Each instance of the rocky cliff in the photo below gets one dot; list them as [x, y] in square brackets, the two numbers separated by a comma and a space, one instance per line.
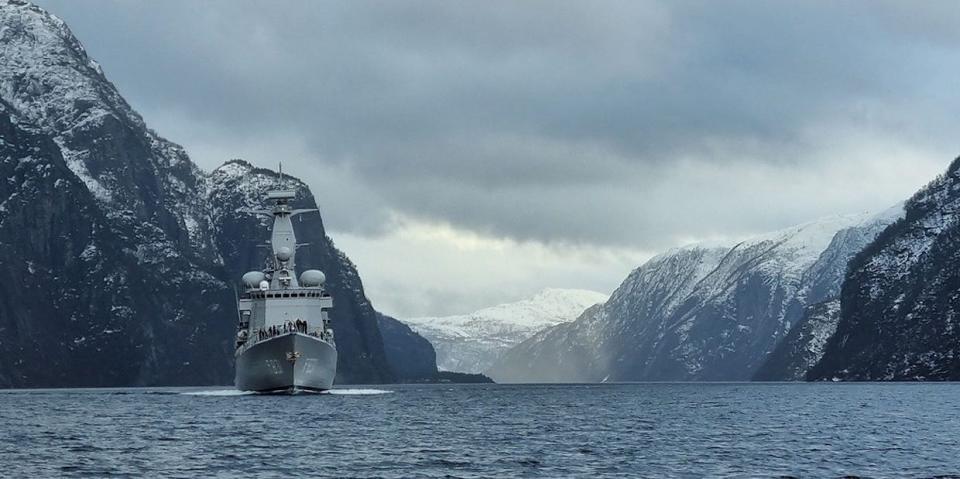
[413, 357]
[900, 301]
[804, 345]
[77, 302]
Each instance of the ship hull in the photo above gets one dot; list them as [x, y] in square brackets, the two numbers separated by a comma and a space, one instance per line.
[287, 363]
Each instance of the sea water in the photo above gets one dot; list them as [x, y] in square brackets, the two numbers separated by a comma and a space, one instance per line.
[610, 430]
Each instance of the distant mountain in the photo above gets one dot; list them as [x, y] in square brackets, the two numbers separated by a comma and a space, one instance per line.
[702, 312]
[899, 315]
[118, 255]
[472, 342]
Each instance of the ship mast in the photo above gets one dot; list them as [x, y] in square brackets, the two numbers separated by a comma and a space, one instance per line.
[283, 240]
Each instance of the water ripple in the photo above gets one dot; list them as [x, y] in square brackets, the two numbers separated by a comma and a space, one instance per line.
[473, 431]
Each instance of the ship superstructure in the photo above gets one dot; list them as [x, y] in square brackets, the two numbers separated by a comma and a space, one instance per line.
[284, 339]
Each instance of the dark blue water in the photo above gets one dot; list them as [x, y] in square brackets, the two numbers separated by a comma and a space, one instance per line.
[632, 430]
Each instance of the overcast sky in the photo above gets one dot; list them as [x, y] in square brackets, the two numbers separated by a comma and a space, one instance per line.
[469, 153]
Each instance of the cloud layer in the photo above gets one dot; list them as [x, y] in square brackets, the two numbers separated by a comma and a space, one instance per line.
[621, 127]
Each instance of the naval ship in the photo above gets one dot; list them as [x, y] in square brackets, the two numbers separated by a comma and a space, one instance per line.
[284, 340]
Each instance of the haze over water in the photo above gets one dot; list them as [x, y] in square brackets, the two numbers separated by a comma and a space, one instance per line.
[467, 431]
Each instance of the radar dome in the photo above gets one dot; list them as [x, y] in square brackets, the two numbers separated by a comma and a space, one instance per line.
[264, 285]
[283, 253]
[253, 279]
[312, 278]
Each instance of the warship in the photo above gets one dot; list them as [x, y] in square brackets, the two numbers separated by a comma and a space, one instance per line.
[284, 340]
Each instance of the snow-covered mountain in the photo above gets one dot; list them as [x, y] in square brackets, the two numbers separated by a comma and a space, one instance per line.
[701, 312]
[472, 342]
[899, 315]
[805, 344]
[118, 255]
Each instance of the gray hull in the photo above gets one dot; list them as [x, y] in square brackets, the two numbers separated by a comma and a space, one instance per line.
[287, 363]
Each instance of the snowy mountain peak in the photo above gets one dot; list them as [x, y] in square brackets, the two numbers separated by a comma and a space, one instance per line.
[238, 169]
[54, 87]
[814, 235]
[242, 177]
[546, 295]
[699, 312]
[233, 168]
[547, 307]
[471, 342]
[805, 240]
[48, 75]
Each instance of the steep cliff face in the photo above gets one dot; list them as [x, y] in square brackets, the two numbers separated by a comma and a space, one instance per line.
[119, 255]
[697, 313]
[78, 302]
[804, 345]
[901, 297]
[412, 357]
[144, 183]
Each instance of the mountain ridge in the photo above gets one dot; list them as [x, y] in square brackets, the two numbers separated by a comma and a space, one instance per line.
[696, 312]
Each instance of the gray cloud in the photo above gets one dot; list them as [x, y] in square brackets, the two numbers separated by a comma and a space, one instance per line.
[610, 124]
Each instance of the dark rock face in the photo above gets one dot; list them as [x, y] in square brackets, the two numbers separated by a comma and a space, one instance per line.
[803, 347]
[411, 355]
[78, 306]
[118, 255]
[901, 297]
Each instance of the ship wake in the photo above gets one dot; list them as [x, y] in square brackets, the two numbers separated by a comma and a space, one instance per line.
[335, 392]
[356, 392]
[219, 392]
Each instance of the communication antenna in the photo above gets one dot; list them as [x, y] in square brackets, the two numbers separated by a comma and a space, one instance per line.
[236, 296]
[282, 184]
